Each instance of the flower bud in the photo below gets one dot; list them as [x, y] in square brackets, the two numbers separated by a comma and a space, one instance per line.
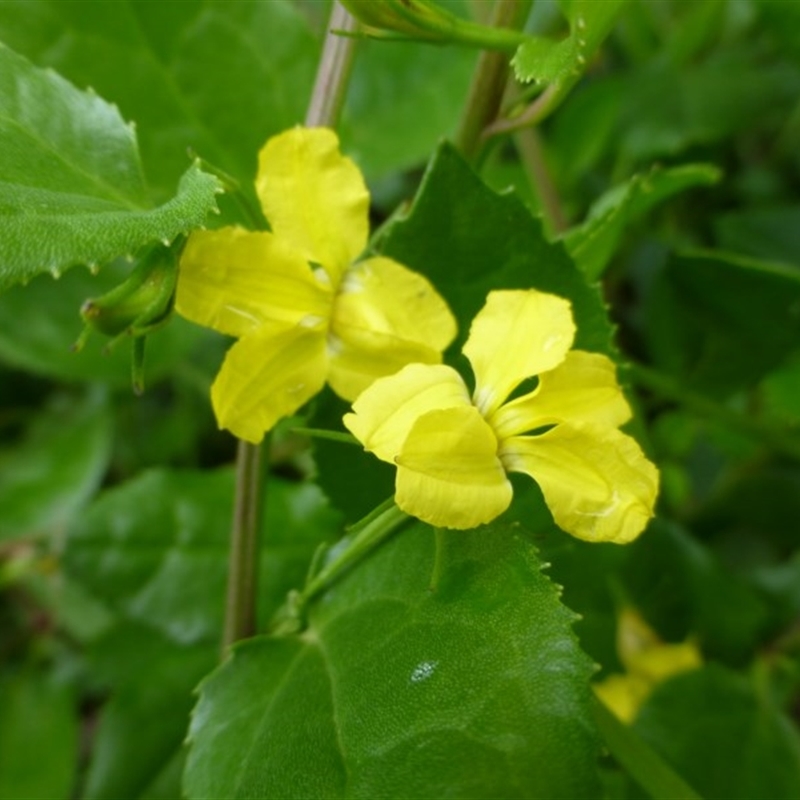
[138, 306]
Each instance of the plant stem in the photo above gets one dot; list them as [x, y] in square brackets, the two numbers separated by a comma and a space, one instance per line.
[367, 534]
[531, 150]
[241, 620]
[489, 81]
[668, 387]
[333, 72]
[334, 436]
[240, 608]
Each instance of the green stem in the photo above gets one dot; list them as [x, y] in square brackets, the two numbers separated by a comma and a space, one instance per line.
[364, 536]
[670, 388]
[334, 436]
[334, 69]
[639, 760]
[535, 113]
[240, 609]
[531, 150]
[489, 81]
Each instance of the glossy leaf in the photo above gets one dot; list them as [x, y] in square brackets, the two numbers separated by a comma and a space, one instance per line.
[593, 243]
[156, 548]
[723, 736]
[38, 737]
[71, 164]
[53, 472]
[476, 689]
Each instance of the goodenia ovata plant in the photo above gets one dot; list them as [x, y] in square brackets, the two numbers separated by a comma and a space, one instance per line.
[434, 617]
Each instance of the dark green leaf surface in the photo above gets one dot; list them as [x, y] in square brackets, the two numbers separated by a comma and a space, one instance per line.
[684, 589]
[720, 322]
[156, 548]
[55, 469]
[769, 233]
[469, 240]
[669, 107]
[593, 243]
[474, 690]
[723, 735]
[38, 737]
[70, 164]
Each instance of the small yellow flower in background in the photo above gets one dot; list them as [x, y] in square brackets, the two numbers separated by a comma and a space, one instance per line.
[647, 660]
[303, 309]
[453, 451]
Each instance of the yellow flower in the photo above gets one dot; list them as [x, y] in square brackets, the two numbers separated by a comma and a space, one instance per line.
[453, 451]
[647, 660]
[303, 309]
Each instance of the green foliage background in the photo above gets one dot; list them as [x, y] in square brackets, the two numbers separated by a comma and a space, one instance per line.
[671, 159]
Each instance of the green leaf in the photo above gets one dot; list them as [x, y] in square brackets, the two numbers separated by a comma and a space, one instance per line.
[725, 737]
[38, 737]
[53, 472]
[215, 76]
[70, 166]
[593, 243]
[476, 689]
[706, 320]
[683, 589]
[141, 728]
[669, 107]
[199, 74]
[384, 95]
[156, 548]
[768, 233]
[40, 321]
[469, 240]
[561, 63]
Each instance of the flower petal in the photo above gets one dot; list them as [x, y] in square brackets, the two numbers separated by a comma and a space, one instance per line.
[448, 472]
[596, 481]
[314, 197]
[384, 317]
[234, 280]
[386, 297]
[623, 694]
[385, 413]
[266, 376]
[516, 335]
[582, 389]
